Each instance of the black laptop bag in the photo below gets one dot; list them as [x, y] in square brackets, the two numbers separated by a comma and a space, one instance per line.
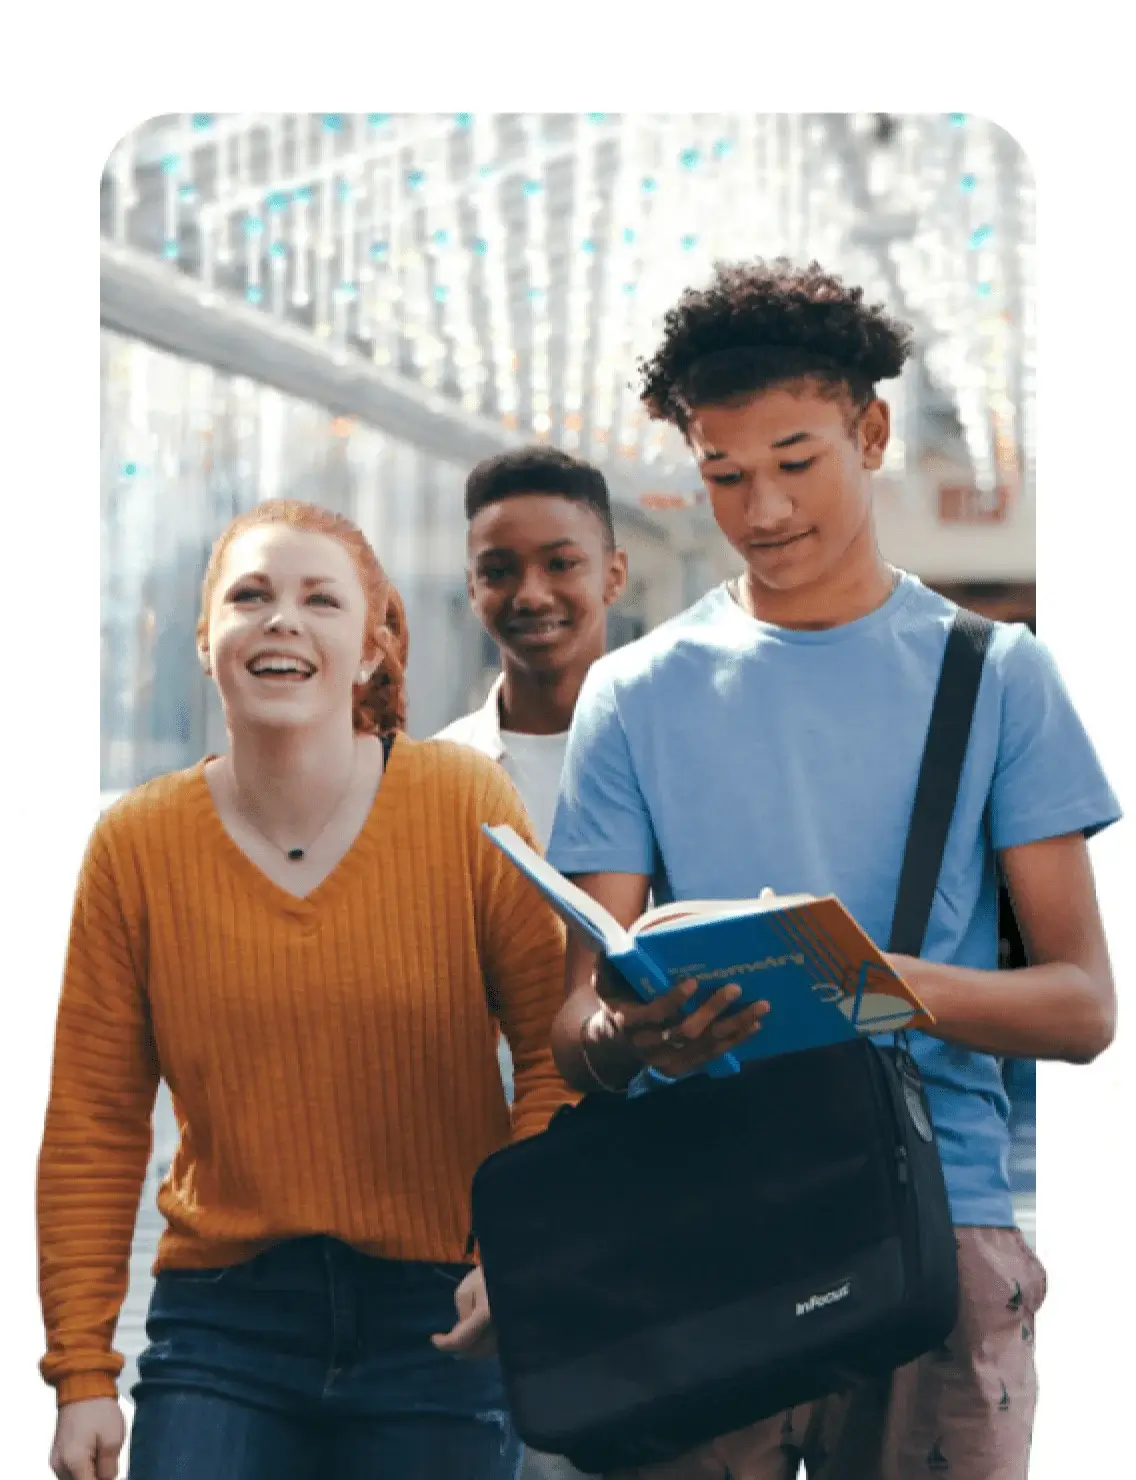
[666, 1269]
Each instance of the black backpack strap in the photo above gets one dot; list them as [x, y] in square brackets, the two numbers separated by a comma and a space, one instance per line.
[948, 735]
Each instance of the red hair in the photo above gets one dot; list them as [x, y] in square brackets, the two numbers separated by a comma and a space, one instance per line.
[380, 704]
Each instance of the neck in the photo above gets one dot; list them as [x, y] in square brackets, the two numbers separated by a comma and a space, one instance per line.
[541, 703]
[290, 780]
[858, 585]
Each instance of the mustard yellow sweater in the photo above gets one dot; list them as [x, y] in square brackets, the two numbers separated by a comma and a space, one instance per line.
[332, 1060]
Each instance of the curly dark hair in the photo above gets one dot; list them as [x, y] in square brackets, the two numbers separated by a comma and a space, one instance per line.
[540, 469]
[759, 324]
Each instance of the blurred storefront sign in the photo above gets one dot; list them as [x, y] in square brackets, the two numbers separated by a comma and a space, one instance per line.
[963, 503]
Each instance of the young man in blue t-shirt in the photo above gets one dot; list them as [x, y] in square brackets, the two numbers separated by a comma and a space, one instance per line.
[771, 736]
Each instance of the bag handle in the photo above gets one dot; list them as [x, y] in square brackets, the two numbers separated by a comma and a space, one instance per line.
[940, 772]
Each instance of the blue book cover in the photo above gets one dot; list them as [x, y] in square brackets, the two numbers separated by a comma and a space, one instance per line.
[824, 979]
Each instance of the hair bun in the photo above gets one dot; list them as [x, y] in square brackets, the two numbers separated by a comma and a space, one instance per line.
[380, 703]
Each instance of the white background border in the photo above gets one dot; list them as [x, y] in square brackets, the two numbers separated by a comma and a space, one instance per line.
[78, 81]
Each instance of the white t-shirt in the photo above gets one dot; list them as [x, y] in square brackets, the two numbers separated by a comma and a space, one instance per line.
[534, 764]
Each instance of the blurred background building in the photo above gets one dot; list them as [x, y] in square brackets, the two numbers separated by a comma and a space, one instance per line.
[354, 308]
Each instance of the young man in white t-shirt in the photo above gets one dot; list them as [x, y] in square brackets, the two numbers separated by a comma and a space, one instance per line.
[543, 569]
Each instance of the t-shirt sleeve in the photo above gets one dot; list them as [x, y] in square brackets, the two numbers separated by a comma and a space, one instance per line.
[1048, 780]
[602, 822]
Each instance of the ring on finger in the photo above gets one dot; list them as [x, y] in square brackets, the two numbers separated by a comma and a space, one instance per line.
[674, 1037]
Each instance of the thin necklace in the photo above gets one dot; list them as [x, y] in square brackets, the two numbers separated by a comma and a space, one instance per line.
[294, 855]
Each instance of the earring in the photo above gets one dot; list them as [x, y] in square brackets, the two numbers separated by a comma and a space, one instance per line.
[364, 676]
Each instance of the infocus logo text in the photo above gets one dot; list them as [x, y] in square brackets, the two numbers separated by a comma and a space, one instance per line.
[829, 1297]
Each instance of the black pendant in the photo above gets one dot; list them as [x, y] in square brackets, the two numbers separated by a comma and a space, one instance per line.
[296, 855]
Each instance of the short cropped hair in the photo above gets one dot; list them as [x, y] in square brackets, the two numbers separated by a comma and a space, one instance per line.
[540, 470]
[763, 324]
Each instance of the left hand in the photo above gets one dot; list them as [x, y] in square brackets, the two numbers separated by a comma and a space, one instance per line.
[908, 967]
[471, 1336]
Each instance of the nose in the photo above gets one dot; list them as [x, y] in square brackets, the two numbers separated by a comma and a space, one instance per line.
[282, 619]
[768, 507]
[532, 594]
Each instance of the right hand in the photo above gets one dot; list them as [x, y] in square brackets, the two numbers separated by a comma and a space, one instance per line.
[472, 1333]
[659, 1037]
[89, 1436]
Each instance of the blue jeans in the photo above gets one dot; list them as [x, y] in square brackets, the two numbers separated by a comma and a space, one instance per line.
[312, 1361]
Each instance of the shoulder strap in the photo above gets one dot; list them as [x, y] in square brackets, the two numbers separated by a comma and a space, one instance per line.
[939, 774]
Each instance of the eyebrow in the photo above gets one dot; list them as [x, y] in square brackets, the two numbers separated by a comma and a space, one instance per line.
[258, 575]
[507, 550]
[790, 441]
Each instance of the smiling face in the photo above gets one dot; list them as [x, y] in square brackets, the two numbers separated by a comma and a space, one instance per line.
[286, 630]
[788, 473]
[541, 577]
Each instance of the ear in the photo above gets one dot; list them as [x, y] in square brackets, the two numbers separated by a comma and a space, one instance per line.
[203, 659]
[615, 580]
[874, 432]
[469, 583]
[380, 646]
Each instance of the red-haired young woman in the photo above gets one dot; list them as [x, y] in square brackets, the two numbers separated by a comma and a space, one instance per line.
[309, 939]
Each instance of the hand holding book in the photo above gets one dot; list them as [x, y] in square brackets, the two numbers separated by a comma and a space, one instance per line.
[909, 970]
[662, 1035]
[817, 976]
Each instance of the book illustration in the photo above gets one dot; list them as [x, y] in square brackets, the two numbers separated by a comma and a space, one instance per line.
[868, 993]
[824, 978]
[868, 1004]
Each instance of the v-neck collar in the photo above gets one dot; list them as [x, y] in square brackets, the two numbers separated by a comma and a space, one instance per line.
[305, 907]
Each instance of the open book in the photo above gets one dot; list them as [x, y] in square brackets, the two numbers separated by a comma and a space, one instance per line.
[824, 979]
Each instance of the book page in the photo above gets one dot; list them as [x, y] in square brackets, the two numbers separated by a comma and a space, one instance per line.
[716, 909]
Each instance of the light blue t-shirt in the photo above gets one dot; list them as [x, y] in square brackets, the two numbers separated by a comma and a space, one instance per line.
[721, 755]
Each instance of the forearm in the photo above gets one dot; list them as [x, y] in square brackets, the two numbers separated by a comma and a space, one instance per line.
[90, 1179]
[539, 1091]
[1051, 1011]
[528, 970]
[97, 1130]
[588, 1051]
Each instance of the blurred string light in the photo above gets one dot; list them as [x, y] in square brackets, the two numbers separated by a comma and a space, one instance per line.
[1021, 248]
[383, 235]
[582, 223]
[277, 244]
[644, 221]
[429, 280]
[486, 185]
[466, 251]
[619, 198]
[535, 238]
[958, 269]
[453, 288]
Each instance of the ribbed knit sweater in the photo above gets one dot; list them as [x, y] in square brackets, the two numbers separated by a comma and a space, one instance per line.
[332, 1060]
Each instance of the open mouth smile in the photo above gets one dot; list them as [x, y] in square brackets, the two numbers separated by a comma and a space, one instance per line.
[521, 631]
[281, 666]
